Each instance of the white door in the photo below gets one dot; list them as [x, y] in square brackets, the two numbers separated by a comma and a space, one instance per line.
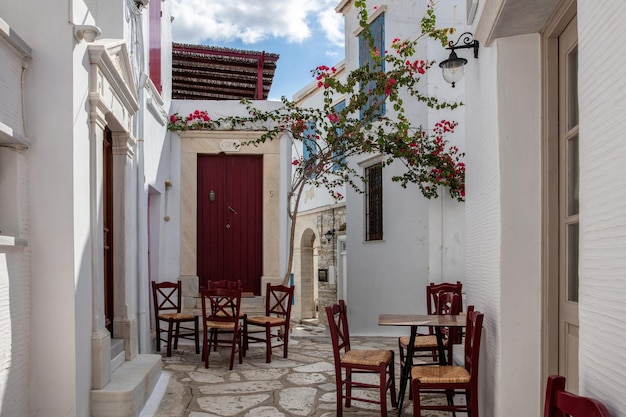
[568, 205]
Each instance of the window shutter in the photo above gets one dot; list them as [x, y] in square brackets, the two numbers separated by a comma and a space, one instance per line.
[377, 29]
[337, 108]
[154, 43]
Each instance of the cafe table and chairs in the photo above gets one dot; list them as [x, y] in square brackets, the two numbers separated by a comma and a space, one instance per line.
[450, 379]
[414, 321]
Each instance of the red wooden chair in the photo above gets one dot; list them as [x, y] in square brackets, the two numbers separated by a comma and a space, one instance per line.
[448, 303]
[275, 322]
[226, 284]
[348, 361]
[450, 380]
[220, 312]
[561, 403]
[167, 300]
[432, 307]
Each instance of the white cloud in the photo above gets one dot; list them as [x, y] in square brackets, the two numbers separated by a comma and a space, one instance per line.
[331, 23]
[254, 20]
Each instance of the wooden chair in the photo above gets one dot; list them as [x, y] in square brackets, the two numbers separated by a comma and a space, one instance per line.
[348, 361]
[450, 380]
[167, 300]
[561, 403]
[222, 283]
[447, 303]
[278, 300]
[220, 312]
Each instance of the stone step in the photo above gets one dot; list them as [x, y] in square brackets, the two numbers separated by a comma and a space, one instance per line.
[130, 387]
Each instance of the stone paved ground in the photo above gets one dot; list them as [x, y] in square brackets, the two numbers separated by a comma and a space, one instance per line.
[301, 385]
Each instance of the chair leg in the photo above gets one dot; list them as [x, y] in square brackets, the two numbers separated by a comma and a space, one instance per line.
[348, 388]
[416, 400]
[158, 334]
[245, 337]
[197, 335]
[392, 376]
[339, 384]
[232, 351]
[176, 335]
[473, 403]
[286, 341]
[169, 338]
[383, 391]
[268, 344]
[206, 348]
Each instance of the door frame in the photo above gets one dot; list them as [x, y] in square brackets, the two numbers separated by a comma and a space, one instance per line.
[214, 142]
[563, 14]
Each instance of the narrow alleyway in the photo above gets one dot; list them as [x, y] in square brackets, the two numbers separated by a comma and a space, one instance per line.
[302, 385]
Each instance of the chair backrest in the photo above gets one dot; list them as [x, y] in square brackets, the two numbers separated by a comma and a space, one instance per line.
[473, 331]
[166, 297]
[223, 283]
[449, 303]
[560, 402]
[433, 290]
[278, 300]
[221, 304]
[338, 325]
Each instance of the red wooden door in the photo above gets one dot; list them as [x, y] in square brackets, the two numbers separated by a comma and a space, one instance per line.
[230, 221]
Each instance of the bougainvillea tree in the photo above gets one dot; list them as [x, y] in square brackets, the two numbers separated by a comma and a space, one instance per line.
[329, 137]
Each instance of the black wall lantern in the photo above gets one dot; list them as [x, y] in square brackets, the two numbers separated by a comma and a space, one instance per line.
[452, 67]
[329, 235]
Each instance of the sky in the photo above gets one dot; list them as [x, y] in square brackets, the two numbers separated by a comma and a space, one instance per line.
[304, 33]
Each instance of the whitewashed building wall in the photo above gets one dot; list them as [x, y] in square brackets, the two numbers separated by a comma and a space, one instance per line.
[505, 208]
[55, 350]
[423, 240]
[602, 268]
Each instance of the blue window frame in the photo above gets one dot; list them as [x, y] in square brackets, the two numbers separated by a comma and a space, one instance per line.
[337, 108]
[309, 147]
[377, 29]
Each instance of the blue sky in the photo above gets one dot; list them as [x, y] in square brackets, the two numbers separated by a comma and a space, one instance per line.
[304, 33]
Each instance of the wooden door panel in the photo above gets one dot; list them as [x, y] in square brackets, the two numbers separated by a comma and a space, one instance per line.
[230, 219]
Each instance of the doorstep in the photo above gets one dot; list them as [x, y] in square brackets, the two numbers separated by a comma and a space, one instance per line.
[130, 387]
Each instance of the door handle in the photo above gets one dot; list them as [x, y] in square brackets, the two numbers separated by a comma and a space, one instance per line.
[232, 209]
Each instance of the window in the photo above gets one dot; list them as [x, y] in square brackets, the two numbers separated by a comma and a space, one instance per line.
[309, 148]
[337, 108]
[374, 202]
[377, 29]
[154, 8]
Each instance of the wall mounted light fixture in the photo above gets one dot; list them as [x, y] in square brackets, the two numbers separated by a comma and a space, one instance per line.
[452, 67]
[329, 235]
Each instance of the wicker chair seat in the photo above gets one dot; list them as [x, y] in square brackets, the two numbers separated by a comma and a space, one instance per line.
[261, 320]
[426, 341]
[220, 325]
[369, 357]
[176, 316]
[440, 374]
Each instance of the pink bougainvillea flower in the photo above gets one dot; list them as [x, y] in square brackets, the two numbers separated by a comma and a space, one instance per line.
[333, 118]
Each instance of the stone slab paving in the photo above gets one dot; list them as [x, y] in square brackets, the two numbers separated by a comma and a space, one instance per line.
[301, 385]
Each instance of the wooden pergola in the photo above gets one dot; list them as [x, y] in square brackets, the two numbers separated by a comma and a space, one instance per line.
[201, 72]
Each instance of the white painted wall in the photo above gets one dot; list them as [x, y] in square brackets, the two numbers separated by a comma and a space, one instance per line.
[602, 269]
[15, 310]
[503, 255]
[47, 273]
[423, 240]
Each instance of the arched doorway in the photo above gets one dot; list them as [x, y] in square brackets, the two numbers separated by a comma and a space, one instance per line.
[308, 265]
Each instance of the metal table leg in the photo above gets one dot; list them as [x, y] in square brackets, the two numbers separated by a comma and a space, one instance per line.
[405, 373]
